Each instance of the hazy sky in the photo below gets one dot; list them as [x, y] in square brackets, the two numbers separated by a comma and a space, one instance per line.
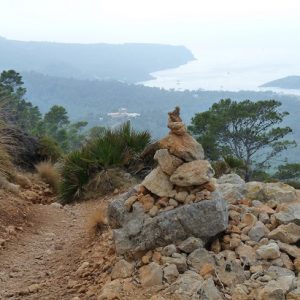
[186, 22]
[257, 40]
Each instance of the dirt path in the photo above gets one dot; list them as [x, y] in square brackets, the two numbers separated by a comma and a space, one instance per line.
[38, 265]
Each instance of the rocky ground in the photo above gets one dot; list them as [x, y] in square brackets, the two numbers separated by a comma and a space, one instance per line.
[48, 258]
[196, 237]
[180, 235]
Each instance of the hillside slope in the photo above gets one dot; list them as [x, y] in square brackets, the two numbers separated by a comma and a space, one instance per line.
[128, 62]
[289, 82]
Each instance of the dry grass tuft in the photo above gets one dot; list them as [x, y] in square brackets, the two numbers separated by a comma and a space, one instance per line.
[22, 180]
[49, 174]
[8, 186]
[97, 221]
[6, 166]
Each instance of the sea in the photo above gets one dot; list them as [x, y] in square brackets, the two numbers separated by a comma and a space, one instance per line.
[235, 71]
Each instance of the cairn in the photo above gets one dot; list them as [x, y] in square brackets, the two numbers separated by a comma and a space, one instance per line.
[175, 201]
[181, 177]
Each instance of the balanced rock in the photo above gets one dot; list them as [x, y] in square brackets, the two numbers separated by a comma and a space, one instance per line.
[193, 173]
[177, 128]
[183, 146]
[158, 183]
[168, 163]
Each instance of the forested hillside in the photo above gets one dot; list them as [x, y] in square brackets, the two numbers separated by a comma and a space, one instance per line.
[92, 100]
[128, 62]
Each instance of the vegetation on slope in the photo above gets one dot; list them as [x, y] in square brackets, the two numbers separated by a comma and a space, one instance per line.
[246, 132]
[113, 149]
[130, 62]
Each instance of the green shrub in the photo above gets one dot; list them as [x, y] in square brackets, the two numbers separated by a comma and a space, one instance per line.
[294, 183]
[114, 148]
[49, 149]
[220, 167]
[75, 174]
[288, 171]
[263, 176]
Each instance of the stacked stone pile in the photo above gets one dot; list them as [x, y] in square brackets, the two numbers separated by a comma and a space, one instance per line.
[176, 200]
[181, 177]
[244, 248]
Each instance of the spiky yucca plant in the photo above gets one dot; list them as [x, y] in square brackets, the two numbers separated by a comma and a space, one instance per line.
[114, 148]
[75, 174]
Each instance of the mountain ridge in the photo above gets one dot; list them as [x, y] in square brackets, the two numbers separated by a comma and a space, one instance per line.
[288, 82]
[130, 62]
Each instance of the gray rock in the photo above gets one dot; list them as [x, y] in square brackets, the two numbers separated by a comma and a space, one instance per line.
[190, 244]
[198, 258]
[185, 286]
[171, 273]
[276, 272]
[178, 260]
[151, 274]
[290, 214]
[122, 269]
[169, 250]
[137, 231]
[270, 251]
[293, 295]
[258, 231]
[209, 291]
[271, 292]
[264, 217]
[231, 192]
[191, 286]
[231, 272]
[232, 179]
[117, 209]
